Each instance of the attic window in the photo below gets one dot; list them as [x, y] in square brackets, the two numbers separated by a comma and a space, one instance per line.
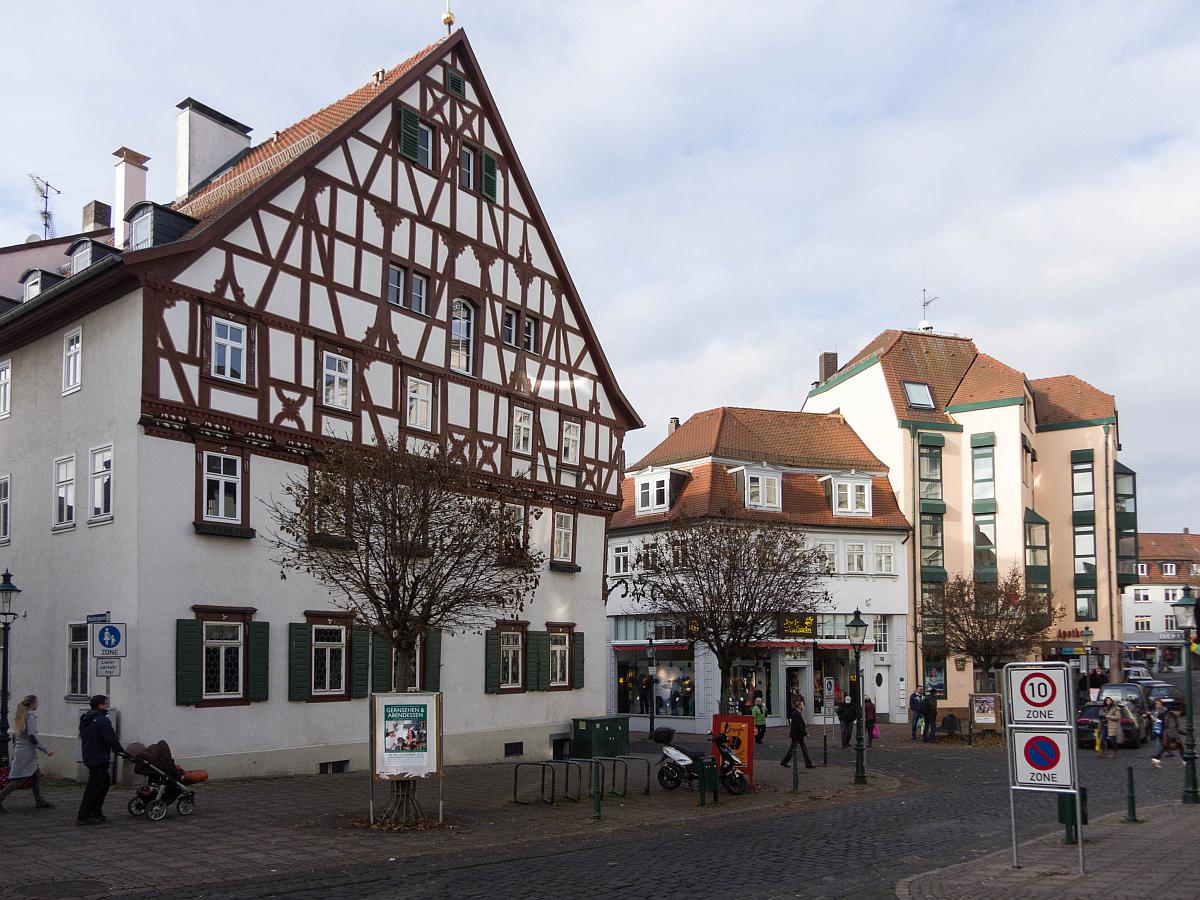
[918, 395]
[31, 288]
[81, 258]
[456, 84]
[139, 231]
[851, 498]
[762, 491]
[651, 494]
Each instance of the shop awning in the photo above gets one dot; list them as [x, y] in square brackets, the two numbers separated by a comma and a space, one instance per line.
[658, 645]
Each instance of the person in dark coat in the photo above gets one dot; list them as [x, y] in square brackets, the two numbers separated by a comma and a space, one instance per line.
[915, 700]
[929, 714]
[98, 740]
[869, 718]
[847, 715]
[799, 731]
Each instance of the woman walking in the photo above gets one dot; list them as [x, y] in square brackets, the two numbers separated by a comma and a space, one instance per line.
[1166, 731]
[760, 720]
[869, 719]
[1110, 725]
[24, 771]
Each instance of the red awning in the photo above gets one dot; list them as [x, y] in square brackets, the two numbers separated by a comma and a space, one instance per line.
[658, 645]
[803, 645]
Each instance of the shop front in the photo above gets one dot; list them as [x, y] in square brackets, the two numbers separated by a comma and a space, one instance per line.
[1156, 649]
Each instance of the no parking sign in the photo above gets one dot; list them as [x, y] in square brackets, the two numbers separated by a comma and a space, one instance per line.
[1042, 760]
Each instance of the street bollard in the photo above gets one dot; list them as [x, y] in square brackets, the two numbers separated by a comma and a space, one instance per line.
[795, 773]
[824, 750]
[971, 733]
[1131, 804]
[597, 786]
[709, 779]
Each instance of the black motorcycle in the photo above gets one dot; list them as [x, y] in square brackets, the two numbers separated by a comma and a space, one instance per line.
[679, 765]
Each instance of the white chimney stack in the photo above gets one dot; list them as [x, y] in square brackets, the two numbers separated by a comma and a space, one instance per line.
[131, 189]
[205, 140]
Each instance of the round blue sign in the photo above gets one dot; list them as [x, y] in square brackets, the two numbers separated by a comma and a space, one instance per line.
[109, 637]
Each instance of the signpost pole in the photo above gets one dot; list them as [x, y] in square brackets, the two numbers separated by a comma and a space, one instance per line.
[1078, 787]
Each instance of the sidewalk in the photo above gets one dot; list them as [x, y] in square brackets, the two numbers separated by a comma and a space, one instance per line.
[247, 829]
[1154, 857]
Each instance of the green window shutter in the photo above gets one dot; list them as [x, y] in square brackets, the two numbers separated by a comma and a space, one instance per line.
[577, 660]
[491, 662]
[455, 83]
[381, 662]
[189, 653]
[489, 176]
[410, 140]
[258, 656]
[537, 645]
[433, 659]
[360, 661]
[299, 661]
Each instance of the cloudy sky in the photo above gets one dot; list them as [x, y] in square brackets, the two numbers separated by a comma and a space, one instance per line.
[737, 187]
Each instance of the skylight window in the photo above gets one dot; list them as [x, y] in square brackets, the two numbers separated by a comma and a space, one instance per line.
[918, 395]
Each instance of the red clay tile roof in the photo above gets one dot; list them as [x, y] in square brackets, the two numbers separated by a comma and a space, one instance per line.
[710, 491]
[988, 379]
[781, 437]
[1065, 398]
[1155, 548]
[273, 154]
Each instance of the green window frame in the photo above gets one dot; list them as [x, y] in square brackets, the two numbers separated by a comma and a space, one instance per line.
[983, 472]
[1037, 544]
[1083, 487]
[929, 471]
[1085, 606]
[933, 629]
[985, 547]
[1085, 550]
[932, 541]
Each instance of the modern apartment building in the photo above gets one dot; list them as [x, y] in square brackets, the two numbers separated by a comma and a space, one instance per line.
[1166, 563]
[995, 471]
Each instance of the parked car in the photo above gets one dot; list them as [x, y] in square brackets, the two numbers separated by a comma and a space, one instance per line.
[1137, 670]
[1089, 718]
[1137, 698]
[1172, 697]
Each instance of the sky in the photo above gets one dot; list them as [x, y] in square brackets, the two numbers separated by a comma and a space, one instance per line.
[738, 187]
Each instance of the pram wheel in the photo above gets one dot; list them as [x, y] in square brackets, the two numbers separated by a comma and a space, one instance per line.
[156, 810]
[137, 807]
[186, 805]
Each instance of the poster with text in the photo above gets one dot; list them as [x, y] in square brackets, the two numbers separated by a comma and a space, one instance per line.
[406, 735]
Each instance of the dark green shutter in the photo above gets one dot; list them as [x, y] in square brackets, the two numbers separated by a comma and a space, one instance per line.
[489, 176]
[433, 659]
[577, 660]
[455, 83]
[381, 663]
[360, 661]
[258, 656]
[410, 139]
[491, 662]
[537, 644]
[189, 658]
[299, 661]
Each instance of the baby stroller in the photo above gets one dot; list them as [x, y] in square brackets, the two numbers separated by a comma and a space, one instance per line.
[165, 782]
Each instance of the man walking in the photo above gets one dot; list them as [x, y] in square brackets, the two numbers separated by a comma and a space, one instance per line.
[915, 701]
[798, 733]
[847, 714]
[929, 713]
[98, 739]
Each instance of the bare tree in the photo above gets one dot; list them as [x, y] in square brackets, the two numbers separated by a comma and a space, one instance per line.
[993, 621]
[726, 583]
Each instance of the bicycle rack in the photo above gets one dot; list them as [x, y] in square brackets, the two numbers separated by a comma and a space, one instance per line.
[638, 759]
[567, 764]
[584, 761]
[544, 767]
[624, 773]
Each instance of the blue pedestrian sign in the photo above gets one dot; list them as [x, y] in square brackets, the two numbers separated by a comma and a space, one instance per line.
[108, 640]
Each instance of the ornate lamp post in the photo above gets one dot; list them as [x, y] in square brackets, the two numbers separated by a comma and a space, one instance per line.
[8, 592]
[1086, 639]
[1185, 618]
[653, 673]
[856, 630]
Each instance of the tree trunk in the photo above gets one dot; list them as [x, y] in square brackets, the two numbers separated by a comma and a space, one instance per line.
[726, 683]
[404, 657]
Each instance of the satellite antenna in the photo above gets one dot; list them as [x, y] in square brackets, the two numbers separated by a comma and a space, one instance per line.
[42, 188]
[926, 302]
[448, 18]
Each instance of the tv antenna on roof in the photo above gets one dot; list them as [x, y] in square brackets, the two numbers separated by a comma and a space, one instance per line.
[42, 188]
[448, 18]
[926, 302]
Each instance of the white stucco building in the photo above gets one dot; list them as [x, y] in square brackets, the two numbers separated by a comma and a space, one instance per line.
[1166, 563]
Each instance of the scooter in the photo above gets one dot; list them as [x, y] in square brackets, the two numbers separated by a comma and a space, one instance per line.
[679, 765]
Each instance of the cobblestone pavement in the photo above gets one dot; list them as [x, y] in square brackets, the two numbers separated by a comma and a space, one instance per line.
[927, 807]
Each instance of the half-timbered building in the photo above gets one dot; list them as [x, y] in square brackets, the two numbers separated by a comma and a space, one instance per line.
[379, 270]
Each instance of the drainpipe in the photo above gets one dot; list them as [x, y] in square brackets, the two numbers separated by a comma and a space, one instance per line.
[914, 486]
[1118, 659]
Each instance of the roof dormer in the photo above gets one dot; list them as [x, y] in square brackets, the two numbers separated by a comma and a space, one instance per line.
[655, 490]
[152, 224]
[849, 493]
[85, 252]
[760, 486]
[34, 281]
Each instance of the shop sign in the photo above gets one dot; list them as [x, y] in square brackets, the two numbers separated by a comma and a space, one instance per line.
[1171, 636]
[797, 625]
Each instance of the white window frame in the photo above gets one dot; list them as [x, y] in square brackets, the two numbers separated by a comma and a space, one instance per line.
[762, 491]
[1169, 569]
[31, 287]
[1141, 596]
[222, 646]
[468, 168]
[856, 496]
[650, 488]
[522, 431]
[5, 508]
[424, 145]
[64, 491]
[418, 300]
[5, 388]
[84, 252]
[560, 659]
[1143, 569]
[1141, 623]
[327, 648]
[916, 392]
[572, 439]
[508, 327]
[830, 550]
[334, 380]
[419, 403]
[99, 479]
[564, 537]
[531, 335]
[885, 559]
[856, 558]
[512, 657]
[879, 634]
[468, 335]
[620, 559]
[1169, 622]
[222, 479]
[79, 660]
[230, 346]
[140, 223]
[1170, 595]
[72, 378]
[395, 289]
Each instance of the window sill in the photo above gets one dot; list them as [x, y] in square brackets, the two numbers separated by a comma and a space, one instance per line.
[327, 698]
[76, 698]
[559, 687]
[73, 390]
[99, 520]
[559, 565]
[66, 526]
[331, 542]
[218, 529]
[221, 701]
[512, 690]
[244, 387]
[331, 408]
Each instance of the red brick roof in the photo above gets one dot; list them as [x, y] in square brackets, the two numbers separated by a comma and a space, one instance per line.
[1065, 398]
[988, 379]
[1156, 548]
[273, 154]
[710, 491]
[781, 437]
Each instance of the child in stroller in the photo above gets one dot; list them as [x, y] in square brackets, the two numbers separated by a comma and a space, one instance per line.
[165, 782]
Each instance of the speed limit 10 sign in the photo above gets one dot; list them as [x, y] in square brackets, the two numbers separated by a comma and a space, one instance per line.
[1039, 694]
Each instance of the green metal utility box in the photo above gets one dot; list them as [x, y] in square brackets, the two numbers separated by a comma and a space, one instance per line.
[604, 736]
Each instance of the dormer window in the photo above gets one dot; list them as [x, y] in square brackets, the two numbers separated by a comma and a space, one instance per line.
[918, 395]
[81, 258]
[762, 492]
[852, 498]
[139, 230]
[652, 493]
[31, 288]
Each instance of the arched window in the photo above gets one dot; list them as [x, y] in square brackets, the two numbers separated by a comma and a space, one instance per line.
[462, 336]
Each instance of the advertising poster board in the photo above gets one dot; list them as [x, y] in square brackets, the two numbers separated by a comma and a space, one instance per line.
[739, 733]
[985, 710]
[406, 735]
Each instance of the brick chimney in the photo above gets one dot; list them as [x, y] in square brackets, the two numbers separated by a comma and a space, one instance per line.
[827, 366]
[672, 424]
[97, 216]
[131, 189]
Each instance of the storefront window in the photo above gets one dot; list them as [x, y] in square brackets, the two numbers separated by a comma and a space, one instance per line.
[673, 692]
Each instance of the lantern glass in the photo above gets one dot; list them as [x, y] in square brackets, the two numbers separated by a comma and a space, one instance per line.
[1185, 610]
[856, 630]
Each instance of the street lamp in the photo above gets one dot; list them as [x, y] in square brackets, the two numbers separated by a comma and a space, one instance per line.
[856, 630]
[1086, 639]
[8, 592]
[1185, 618]
[653, 674]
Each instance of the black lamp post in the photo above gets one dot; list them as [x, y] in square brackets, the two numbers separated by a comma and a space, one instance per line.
[1185, 618]
[8, 591]
[653, 674]
[1086, 639]
[856, 630]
